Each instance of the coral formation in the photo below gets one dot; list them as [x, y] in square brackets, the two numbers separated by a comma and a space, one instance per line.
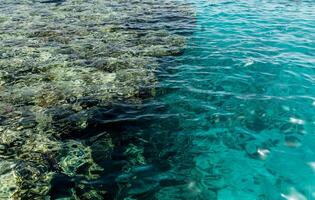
[61, 60]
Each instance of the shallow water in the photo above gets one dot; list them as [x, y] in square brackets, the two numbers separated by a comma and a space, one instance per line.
[243, 93]
[72, 76]
[231, 117]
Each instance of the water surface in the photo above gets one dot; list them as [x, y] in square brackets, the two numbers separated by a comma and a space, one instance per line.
[110, 106]
[243, 93]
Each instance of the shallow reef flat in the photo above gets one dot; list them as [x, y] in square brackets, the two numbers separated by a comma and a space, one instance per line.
[62, 63]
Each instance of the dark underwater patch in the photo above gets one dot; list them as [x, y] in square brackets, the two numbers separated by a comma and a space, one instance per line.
[56, 2]
[76, 96]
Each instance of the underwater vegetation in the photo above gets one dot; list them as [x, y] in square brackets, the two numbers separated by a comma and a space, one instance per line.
[63, 66]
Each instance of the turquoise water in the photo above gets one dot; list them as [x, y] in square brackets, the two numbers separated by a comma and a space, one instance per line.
[242, 99]
[100, 101]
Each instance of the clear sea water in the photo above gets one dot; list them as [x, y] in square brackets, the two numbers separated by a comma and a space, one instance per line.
[232, 117]
[241, 102]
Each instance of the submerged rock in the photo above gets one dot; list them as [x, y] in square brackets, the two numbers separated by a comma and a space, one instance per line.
[77, 159]
[58, 63]
[8, 180]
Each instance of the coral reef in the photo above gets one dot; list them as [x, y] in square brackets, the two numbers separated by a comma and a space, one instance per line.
[60, 60]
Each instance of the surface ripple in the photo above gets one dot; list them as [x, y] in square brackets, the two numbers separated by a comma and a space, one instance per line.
[231, 117]
[245, 97]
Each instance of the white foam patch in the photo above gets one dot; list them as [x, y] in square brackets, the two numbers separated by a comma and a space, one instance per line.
[293, 195]
[297, 121]
[249, 62]
[263, 153]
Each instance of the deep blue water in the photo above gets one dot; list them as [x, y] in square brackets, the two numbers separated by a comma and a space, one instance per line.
[240, 102]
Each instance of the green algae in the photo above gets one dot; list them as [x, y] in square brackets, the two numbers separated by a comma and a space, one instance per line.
[58, 62]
